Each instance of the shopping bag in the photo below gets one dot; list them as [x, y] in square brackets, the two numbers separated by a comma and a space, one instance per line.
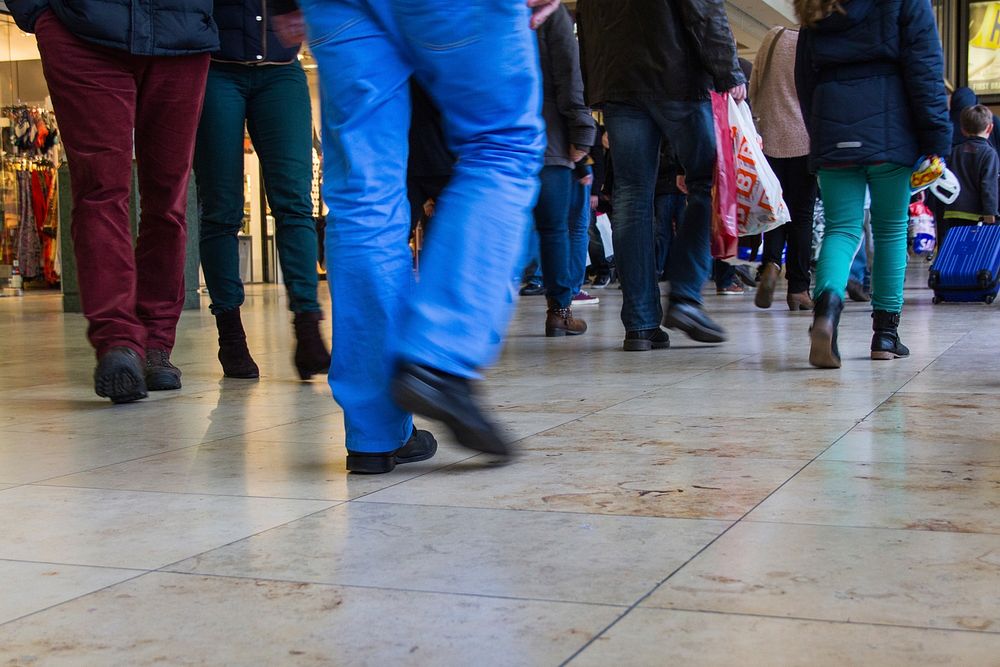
[724, 239]
[604, 227]
[759, 203]
[923, 237]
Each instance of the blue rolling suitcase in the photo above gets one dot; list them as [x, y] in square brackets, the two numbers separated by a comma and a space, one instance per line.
[967, 267]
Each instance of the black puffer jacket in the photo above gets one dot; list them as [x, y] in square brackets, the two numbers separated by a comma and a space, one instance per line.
[660, 49]
[246, 34]
[567, 117]
[871, 85]
[141, 27]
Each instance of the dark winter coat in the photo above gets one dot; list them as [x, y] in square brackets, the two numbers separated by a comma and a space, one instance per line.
[962, 99]
[871, 85]
[142, 28]
[976, 165]
[246, 34]
[567, 117]
[653, 49]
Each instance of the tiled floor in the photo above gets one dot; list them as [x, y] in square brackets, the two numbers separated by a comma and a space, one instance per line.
[697, 506]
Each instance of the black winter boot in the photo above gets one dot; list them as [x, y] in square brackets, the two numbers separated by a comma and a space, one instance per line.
[311, 355]
[826, 319]
[233, 352]
[885, 341]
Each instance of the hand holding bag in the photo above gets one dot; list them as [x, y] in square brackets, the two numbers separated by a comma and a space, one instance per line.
[760, 206]
[725, 238]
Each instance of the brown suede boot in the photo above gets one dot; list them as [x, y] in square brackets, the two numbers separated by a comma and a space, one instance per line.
[311, 355]
[233, 352]
[560, 322]
[799, 301]
[769, 275]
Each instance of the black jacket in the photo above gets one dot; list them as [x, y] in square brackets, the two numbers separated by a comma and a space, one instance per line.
[567, 118]
[962, 99]
[140, 27]
[246, 34]
[871, 85]
[659, 49]
[976, 165]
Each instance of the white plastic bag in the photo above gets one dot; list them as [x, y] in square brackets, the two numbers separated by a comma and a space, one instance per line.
[759, 203]
[604, 227]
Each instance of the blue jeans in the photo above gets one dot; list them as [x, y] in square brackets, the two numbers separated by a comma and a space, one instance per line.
[562, 216]
[579, 238]
[668, 210]
[479, 62]
[274, 103]
[635, 131]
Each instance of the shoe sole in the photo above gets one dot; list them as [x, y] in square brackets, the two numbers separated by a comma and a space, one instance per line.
[887, 356]
[764, 297]
[797, 307]
[162, 382]
[730, 293]
[122, 386]
[409, 397]
[578, 304]
[643, 346]
[559, 333]
[360, 464]
[246, 376]
[821, 351]
[692, 330]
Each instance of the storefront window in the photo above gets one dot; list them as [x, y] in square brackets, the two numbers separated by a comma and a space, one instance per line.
[944, 12]
[984, 47]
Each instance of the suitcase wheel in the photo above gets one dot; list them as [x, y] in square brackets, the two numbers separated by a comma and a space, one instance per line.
[985, 278]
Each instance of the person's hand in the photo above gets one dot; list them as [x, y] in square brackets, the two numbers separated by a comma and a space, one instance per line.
[594, 201]
[739, 93]
[682, 183]
[587, 180]
[541, 10]
[576, 153]
[989, 219]
[291, 28]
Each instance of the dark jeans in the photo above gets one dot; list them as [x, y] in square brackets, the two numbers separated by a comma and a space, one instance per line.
[799, 189]
[669, 211]
[579, 240]
[274, 103]
[130, 297]
[635, 131]
[552, 218]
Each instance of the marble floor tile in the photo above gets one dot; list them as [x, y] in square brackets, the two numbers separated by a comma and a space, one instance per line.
[187, 620]
[243, 466]
[886, 442]
[131, 530]
[503, 553]
[646, 637]
[31, 587]
[970, 379]
[725, 437]
[559, 396]
[788, 381]
[641, 484]
[863, 575]
[889, 495]
[833, 403]
[32, 457]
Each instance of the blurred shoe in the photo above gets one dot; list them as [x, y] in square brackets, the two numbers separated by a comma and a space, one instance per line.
[745, 275]
[692, 320]
[584, 299]
[161, 375]
[799, 301]
[646, 339]
[120, 376]
[311, 354]
[765, 288]
[856, 292]
[560, 322]
[600, 281]
[420, 447]
[447, 398]
[532, 289]
[233, 352]
[823, 351]
[734, 288]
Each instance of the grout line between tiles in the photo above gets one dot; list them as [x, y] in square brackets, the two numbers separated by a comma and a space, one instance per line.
[68, 564]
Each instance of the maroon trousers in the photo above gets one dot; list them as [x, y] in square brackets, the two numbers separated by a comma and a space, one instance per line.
[131, 297]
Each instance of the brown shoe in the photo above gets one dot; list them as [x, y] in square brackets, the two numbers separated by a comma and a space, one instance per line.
[560, 322]
[799, 301]
[765, 288]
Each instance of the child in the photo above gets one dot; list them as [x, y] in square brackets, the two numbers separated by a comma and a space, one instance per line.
[976, 165]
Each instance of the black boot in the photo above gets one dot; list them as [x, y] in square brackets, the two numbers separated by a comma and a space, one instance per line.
[161, 375]
[233, 353]
[885, 341]
[826, 319]
[311, 355]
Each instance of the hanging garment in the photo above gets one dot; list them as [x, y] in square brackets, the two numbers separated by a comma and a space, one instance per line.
[29, 248]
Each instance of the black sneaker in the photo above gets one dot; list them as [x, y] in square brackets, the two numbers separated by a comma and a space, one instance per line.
[646, 339]
[601, 281]
[532, 289]
[119, 376]
[161, 375]
[447, 398]
[420, 447]
[694, 321]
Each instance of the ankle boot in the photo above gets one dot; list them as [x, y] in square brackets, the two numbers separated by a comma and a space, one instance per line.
[311, 355]
[826, 318]
[769, 275]
[233, 353]
[885, 341]
[560, 322]
[799, 301]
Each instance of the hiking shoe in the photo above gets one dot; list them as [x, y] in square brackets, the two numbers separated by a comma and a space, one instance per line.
[120, 376]
[161, 375]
